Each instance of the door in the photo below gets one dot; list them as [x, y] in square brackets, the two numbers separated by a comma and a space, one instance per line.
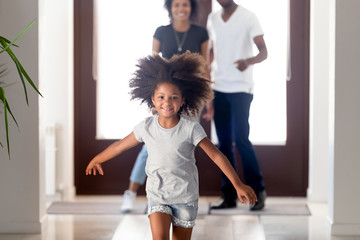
[285, 167]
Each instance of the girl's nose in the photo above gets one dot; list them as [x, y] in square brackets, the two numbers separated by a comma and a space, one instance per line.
[168, 101]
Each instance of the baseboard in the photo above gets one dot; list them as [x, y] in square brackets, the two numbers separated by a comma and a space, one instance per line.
[315, 197]
[69, 193]
[343, 229]
[23, 227]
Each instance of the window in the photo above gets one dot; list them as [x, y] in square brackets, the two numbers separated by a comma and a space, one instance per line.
[125, 30]
[125, 33]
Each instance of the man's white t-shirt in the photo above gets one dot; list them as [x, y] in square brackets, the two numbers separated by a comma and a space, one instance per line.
[170, 167]
[232, 40]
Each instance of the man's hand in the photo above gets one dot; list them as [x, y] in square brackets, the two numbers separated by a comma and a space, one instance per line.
[242, 64]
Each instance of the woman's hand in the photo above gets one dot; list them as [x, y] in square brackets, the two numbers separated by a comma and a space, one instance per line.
[93, 167]
[246, 195]
[209, 114]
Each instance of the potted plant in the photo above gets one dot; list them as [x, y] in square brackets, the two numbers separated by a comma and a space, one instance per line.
[5, 47]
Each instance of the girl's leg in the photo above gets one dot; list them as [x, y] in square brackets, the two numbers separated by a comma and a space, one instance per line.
[180, 233]
[160, 226]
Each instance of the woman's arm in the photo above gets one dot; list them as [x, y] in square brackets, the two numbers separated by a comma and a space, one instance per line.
[207, 53]
[204, 50]
[156, 45]
[113, 150]
[209, 113]
[245, 193]
[204, 53]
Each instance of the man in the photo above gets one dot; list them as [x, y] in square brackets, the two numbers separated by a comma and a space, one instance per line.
[233, 31]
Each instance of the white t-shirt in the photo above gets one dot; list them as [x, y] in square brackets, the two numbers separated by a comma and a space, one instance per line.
[170, 167]
[232, 41]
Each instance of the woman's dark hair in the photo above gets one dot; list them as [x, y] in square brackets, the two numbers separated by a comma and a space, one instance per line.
[186, 71]
[193, 4]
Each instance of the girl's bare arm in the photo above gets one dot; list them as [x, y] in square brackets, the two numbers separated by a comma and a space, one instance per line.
[113, 150]
[244, 192]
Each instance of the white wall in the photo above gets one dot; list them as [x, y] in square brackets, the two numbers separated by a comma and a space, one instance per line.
[319, 101]
[344, 194]
[47, 54]
[56, 51]
[22, 201]
[334, 116]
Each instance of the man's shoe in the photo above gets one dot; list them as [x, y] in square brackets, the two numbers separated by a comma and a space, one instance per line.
[224, 204]
[260, 204]
[128, 202]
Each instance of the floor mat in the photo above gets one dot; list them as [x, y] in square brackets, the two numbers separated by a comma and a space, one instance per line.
[93, 208]
[270, 209]
[140, 207]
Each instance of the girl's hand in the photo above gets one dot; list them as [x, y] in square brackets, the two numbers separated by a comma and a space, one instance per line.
[246, 195]
[93, 167]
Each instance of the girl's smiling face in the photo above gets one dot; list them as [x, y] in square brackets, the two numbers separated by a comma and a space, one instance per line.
[167, 100]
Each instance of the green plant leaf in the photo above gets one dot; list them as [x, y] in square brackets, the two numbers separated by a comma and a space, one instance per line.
[18, 36]
[21, 72]
[12, 115]
[8, 42]
[28, 78]
[12, 55]
[5, 46]
[22, 81]
[3, 99]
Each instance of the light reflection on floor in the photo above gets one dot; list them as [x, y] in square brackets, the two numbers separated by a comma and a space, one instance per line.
[208, 227]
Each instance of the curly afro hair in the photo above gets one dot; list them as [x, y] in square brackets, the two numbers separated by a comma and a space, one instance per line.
[186, 71]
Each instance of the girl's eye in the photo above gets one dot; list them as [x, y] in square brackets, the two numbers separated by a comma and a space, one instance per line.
[161, 97]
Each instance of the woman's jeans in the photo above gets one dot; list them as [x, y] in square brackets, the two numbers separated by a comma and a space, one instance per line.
[138, 174]
[232, 126]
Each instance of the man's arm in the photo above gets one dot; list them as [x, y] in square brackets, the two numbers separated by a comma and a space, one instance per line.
[259, 41]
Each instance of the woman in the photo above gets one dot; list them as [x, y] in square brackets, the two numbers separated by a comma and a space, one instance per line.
[181, 35]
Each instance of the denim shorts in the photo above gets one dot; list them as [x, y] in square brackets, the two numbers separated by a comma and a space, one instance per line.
[183, 214]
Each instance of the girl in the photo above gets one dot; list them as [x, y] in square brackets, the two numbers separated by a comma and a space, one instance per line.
[176, 88]
[175, 38]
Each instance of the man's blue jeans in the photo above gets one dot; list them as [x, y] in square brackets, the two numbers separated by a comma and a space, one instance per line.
[232, 126]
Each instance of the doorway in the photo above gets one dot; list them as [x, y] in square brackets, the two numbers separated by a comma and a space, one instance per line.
[285, 167]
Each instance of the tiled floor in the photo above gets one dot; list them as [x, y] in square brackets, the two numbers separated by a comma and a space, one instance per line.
[208, 227]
